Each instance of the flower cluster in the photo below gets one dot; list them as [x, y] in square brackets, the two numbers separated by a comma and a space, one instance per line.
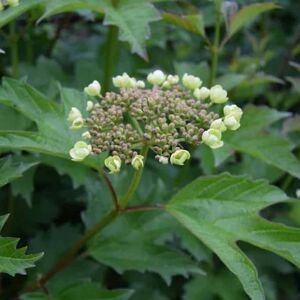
[165, 117]
[11, 3]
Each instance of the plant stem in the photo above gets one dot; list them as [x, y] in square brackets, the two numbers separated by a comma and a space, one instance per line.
[29, 45]
[111, 189]
[13, 36]
[72, 253]
[135, 181]
[111, 51]
[214, 49]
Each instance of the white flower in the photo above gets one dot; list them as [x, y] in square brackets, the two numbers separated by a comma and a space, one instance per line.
[231, 122]
[218, 94]
[93, 89]
[89, 106]
[202, 93]
[77, 124]
[191, 82]
[157, 77]
[124, 81]
[212, 137]
[140, 84]
[179, 157]
[86, 135]
[163, 160]
[13, 3]
[138, 162]
[233, 110]
[113, 163]
[80, 151]
[74, 114]
[218, 124]
[173, 79]
[298, 193]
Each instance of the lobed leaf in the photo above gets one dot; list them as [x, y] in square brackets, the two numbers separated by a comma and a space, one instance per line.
[221, 210]
[12, 260]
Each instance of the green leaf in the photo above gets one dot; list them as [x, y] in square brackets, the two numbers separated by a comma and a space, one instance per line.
[247, 14]
[131, 16]
[53, 136]
[191, 23]
[222, 286]
[252, 139]
[10, 170]
[82, 290]
[12, 13]
[12, 260]
[221, 210]
[132, 243]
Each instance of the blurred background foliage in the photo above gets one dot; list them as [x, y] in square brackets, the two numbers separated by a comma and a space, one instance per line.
[259, 65]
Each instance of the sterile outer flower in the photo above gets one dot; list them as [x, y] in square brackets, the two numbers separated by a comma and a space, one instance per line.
[93, 89]
[124, 81]
[218, 124]
[163, 160]
[179, 157]
[166, 85]
[138, 162]
[77, 124]
[113, 163]
[140, 84]
[89, 106]
[80, 151]
[74, 114]
[173, 79]
[218, 94]
[86, 135]
[157, 77]
[191, 82]
[202, 93]
[231, 122]
[212, 138]
[13, 3]
[233, 110]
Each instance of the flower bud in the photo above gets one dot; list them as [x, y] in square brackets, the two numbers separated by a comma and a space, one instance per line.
[212, 138]
[93, 89]
[77, 124]
[218, 94]
[74, 114]
[163, 160]
[140, 84]
[138, 162]
[80, 151]
[86, 135]
[124, 81]
[218, 124]
[89, 106]
[233, 110]
[157, 77]
[179, 157]
[202, 93]
[173, 79]
[113, 163]
[13, 3]
[231, 122]
[191, 82]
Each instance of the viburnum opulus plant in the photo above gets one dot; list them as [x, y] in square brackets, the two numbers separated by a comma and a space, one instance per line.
[164, 117]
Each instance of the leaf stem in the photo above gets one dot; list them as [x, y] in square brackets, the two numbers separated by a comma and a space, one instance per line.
[214, 49]
[14, 37]
[135, 181]
[111, 51]
[143, 208]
